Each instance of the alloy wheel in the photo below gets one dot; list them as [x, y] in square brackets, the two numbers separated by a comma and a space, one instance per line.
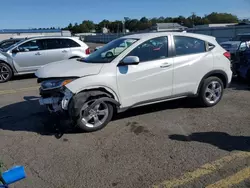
[213, 92]
[94, 116]
[4, 73]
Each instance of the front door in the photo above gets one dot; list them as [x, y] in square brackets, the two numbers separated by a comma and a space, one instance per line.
[151, 79]
[29, 56]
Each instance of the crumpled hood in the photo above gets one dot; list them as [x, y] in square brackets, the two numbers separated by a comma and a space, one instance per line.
[68, 68]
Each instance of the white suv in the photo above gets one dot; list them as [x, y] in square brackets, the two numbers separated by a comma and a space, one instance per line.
[30, 54]
[155, 67]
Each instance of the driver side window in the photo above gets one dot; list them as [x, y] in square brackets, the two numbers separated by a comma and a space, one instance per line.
[29, 46]
[153, 49]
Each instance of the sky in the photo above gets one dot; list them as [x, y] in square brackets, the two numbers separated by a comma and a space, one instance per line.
[25, 14]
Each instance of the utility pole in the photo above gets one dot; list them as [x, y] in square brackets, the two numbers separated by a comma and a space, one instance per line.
[193, 14]
[123, 27]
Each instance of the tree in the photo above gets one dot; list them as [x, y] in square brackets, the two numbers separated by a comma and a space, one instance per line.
[222, 18]
[145, 23]
[86, 26]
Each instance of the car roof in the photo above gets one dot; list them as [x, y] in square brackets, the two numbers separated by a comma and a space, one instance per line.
[51, 37]
[231, 42]
[12, 39]
[147, 36]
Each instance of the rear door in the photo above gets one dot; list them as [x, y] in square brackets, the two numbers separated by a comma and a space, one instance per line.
[76, 49]
[56, 50]
[191, 62]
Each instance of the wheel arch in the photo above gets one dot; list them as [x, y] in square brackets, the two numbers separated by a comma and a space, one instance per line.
[10, 66]
[74, 57]
[105, 94]
[103, 89]
[217, 73]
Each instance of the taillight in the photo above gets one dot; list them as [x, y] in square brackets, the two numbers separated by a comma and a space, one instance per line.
[87, 51]
[227, 55]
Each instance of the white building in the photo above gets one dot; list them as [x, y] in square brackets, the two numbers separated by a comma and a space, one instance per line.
[23, 33]
[215, 25]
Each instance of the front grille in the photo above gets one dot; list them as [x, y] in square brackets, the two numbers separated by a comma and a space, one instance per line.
[51, 92]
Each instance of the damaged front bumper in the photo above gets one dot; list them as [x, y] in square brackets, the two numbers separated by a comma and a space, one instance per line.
[56, 100]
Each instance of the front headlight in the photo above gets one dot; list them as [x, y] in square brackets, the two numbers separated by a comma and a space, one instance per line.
[54, 84]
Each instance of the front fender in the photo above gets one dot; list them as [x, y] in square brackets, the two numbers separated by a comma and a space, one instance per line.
[8, 61]
[95, 82]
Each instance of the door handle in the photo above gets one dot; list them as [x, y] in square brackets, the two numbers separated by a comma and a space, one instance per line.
[38, 53]
[164, 65]
[64, 51]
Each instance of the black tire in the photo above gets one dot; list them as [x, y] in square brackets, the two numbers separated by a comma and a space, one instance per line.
[203, 98]
[6, 72]
[76, 111]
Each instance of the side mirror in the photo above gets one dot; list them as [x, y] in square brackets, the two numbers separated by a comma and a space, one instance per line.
[15, 50]
[130, 60]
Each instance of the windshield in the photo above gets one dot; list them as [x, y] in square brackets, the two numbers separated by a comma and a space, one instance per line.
[110, 51]
[12, 46]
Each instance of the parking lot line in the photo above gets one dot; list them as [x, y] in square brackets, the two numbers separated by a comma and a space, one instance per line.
[11, 91]
[203, 170]
[232, 180]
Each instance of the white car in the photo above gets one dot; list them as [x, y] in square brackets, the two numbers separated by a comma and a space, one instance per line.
[29, 54]
[117, 50]
[156, 67]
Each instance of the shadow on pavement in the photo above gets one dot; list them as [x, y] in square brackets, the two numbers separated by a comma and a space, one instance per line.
[221, 140]
[239, 85]
[29, 116]
[23, 77]
[175, 104]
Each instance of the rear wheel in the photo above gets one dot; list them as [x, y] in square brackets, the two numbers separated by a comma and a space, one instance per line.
[211, 91]
[6, 72]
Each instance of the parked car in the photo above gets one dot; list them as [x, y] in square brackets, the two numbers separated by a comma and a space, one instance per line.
[97, 48]
[116, 51]
[242, 37]
[156, 67]
[8, 42]
[28, 55]
[231, 46]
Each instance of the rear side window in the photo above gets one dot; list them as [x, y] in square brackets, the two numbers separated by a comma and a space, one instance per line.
[70, 43]
[188, 45]
[51, 44]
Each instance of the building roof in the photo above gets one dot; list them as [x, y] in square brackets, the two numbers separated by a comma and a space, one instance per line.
[30, 30]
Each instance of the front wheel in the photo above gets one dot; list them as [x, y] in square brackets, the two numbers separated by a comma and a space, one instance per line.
[94, 116]
[5, 73]
[211, 92]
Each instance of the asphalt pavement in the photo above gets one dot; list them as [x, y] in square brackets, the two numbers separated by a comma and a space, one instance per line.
[171, 144]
